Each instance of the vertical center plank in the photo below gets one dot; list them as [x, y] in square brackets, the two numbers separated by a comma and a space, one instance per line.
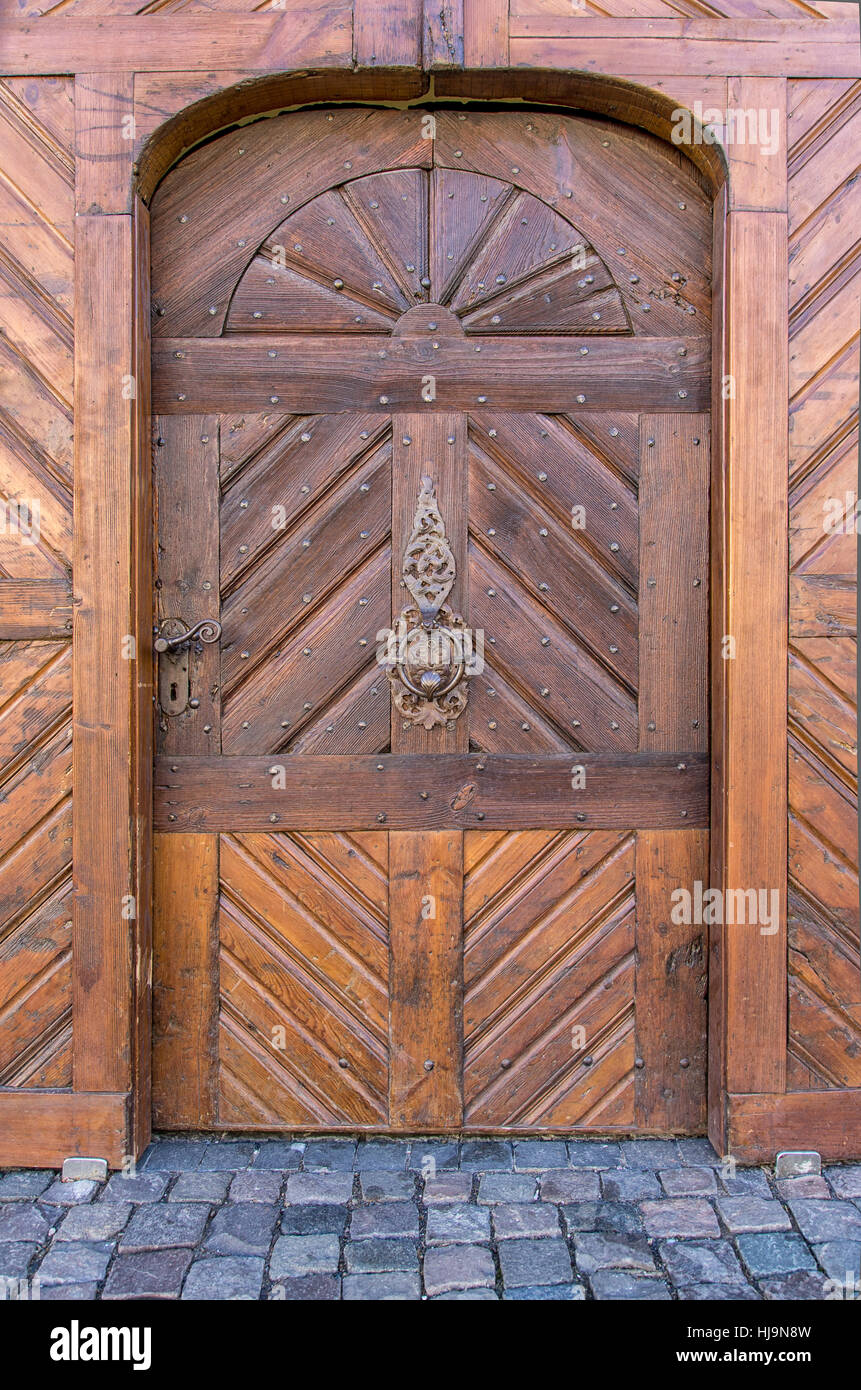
[426, 986]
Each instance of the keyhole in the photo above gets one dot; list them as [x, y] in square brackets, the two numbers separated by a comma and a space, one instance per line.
[173, 692]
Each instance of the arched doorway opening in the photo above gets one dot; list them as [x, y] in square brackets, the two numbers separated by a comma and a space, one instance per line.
[455, 361]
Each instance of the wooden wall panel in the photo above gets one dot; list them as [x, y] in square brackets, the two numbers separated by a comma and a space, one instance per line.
[824, 298]
[37, 207]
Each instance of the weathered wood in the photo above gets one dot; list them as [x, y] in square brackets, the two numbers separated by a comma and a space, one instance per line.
[761, 1125]
[549, 980]
[314, 375]
[757, 47]
[443, 34]
[425, 901]
[504, 791]
[141, 574]
[757, 167]
[35, 608]
[387, 35]
[671, 982]
[104, 142]
[185, 981]
[674, 582]
[104, 664]
[40, 1129]
[752, 650]
[485, 33]
[313, 33]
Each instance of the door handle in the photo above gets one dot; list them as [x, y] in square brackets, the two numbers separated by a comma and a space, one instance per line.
[208, 630]
[173, 644]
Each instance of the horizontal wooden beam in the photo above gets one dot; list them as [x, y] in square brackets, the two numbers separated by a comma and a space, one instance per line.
[760, 1126]
[313, 33]
[31, 609]
[706, 47]
[192, 376]
[319, 33]
[499, 791]
[39, 1129]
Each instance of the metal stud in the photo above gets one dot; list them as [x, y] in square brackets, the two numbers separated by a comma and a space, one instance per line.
[545, 641]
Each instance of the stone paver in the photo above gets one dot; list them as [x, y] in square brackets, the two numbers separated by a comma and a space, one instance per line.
[229, 1277]
[528, 1262]
[595, 1251]
[384, 1288]
[846, 1181]
[319, 1187]
[833, 1220]
[507, 1187]
[317, 1219]
[518, 1219]
[296, 1255]
[386, 1185]
[222, 1219]
[620, 1185]
[618, 1284]
[380, 1256]
[242, 1228]
[688, 1182]
[753, 1214]
[458, 1223]
[201, 1187]
[447, 1187]
[458, 1267]
[162, 1226]
[765, 1255]
[701, 1262]
[680, 1216]
[98, 1221]
[570, 1186]
[385, 1219]
[150, 1274]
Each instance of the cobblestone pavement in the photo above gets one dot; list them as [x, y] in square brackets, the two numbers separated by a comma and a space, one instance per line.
[326, 1219]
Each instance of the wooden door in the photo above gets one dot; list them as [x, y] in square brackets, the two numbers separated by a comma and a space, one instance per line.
[454, 366]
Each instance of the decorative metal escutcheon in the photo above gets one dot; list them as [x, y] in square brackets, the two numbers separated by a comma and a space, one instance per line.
[428, 661]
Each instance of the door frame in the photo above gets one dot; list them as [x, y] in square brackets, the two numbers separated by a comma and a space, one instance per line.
[108, 1110]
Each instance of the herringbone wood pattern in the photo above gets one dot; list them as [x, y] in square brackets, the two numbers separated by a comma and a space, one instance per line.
[549, 950]
[306, 583]
[36, 288]
[303, 1021]
[35, 864]
[825, 286]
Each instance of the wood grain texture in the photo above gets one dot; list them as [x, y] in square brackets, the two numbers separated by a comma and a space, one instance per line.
[35, 864]
[425, 1022]
[313, 33]
[34, 608]
[758, 47]
[103, 674]
[304, 981]
[752, 853]
[318, 375]
[185, 981]
[37, 208]
[824, 978]
[42, 1129]
[388, 36]
[760, 1126]
[507, 791]
[104, 140]
[549, 980]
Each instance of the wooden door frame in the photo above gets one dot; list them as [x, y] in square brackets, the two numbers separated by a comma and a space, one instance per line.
[107, 1112]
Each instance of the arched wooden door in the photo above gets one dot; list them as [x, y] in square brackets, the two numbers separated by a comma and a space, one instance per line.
[451, 365]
